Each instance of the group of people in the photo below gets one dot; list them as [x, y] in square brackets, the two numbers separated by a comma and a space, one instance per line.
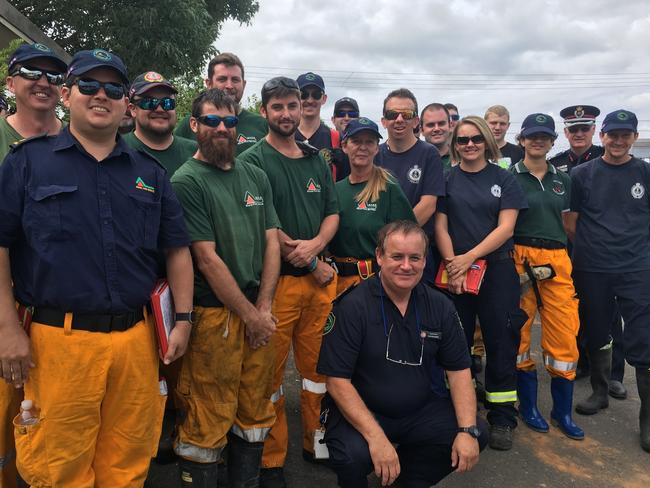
[275, 233]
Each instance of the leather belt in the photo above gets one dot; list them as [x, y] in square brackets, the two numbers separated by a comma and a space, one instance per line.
[88, 321]
[363, 268]
[539, 243]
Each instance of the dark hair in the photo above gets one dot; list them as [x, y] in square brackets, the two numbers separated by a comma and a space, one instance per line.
[434, 106]
[451, 106]
[228, 59]
[280, 87]
[404, 227]
[401, 93]
[216, 97]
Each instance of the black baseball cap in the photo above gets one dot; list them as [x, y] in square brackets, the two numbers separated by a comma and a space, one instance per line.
[346, 101]
[87, 60]
[312, 79]
[25, 52]
[538, 123]
[620, 120]
[358, 125]
[147, 81]
[579, 115]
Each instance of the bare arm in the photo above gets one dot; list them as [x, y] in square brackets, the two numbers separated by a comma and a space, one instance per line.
[383, 454]
[304, 251]
[570, 221]
[465, 449]
[270, 271]
[443, 240]
[180, 276]
[425, 208]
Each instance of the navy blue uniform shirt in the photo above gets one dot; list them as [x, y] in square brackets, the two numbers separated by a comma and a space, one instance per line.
[473, 203]
[84, 236]
[418, 171]
[613, 230]
[355, 343]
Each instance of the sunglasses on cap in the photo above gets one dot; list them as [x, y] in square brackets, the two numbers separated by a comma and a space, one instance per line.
[573, 129]
[229, 121]
[406, 114]
[33, 74]
[149, 103]
[115, 91]
[350, 113]
[464, 140]
[454, 117]
[277, 82]
[315, 94]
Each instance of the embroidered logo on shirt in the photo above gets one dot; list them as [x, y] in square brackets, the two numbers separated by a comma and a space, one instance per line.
[558, 187]
[496, 191]
[414, 174]
[141, 185]
[312, 186]
[370, 207]
[251, 201]
[329, 323]
[242, 139]
[637, 191]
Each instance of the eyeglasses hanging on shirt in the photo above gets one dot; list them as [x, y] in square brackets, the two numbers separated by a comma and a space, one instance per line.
[399, 352]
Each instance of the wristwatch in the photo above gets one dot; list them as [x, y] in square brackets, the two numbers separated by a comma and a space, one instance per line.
[472, 430]
[184, 317]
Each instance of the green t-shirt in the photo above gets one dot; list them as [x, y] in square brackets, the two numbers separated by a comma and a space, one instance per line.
[8, 136]
[446, 163]
[547, 200]
[172, 158]
[250, 129]
[303, 190]
[231, 208]
[360, 222]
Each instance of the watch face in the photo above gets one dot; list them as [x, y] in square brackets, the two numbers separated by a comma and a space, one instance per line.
[474, 431]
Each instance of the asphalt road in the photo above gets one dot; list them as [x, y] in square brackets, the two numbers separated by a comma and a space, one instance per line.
[609, 457]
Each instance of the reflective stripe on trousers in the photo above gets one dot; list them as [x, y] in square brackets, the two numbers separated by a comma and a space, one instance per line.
[501, 396]
[524, 356]
[275, 398]
[257, 434]
[313, 387]
[198, 454]
[559, 365]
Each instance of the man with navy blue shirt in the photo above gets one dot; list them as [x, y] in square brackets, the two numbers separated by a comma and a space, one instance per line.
[609, 224]
[82, 221]
[380, 343]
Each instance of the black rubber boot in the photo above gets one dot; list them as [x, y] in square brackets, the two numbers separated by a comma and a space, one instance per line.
[272, 478]
[601, 366]
[244, 462]
[197, 475]
[643, 383]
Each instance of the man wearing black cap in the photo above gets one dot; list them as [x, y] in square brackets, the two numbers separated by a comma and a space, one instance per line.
[35, 77]
[579, 128]
[610, 223]
[83, 218]
[153, 104]
[345, 110]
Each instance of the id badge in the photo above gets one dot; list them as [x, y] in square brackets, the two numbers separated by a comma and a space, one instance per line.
[320, 448]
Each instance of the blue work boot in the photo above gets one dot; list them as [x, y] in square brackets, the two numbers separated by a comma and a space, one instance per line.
[562, 393]
[527, 394]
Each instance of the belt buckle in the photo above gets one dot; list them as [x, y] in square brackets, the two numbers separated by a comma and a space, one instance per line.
[364, 268]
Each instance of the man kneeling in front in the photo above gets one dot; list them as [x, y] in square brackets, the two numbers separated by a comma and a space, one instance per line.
[381, 342]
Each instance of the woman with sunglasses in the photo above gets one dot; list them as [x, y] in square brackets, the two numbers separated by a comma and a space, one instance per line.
[369, 198]
[541, 256]
[475, 220]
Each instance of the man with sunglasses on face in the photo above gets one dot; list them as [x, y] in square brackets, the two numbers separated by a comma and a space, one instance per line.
[579, 129]
[225, 384]
[226, 72]
[153, 105]
[83, 218]
[305, 200]
[35, 78]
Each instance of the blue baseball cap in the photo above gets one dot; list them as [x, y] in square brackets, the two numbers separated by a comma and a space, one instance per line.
[358, 125]
[84, 61]
[621, 120]
[25, 52]
[538, 123]
[310, 78]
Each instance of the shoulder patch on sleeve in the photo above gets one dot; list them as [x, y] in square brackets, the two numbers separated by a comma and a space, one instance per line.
[27, 140]
[329, 323]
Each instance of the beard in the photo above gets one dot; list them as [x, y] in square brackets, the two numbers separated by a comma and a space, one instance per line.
[217, 149]
[273, 127]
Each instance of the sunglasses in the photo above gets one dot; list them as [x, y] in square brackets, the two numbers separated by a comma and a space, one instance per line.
[315, 94]
[229, 121]
[33, 74]
[350, 113]
[166, 103]
[454, 117]
[579, 128]
[406, 114]
[278, 81]
[116, 91]
[464, 140]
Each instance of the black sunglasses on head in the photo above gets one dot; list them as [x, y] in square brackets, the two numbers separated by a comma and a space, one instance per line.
[33, 74]
[277, 82]
[87, 86]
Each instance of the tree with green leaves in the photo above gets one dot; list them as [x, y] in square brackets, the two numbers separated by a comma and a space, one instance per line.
[169, 36]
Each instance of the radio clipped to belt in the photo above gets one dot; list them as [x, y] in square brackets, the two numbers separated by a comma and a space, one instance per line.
[533, 274]
[364, 268]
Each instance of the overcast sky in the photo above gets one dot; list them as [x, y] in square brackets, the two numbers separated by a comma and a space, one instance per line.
[534, 56]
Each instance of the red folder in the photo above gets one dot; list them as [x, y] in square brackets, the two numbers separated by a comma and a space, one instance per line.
[475, 275]
[162, 306]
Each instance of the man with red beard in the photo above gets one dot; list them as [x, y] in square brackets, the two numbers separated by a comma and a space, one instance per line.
[305, 199]
[153, 105]
[225, 384]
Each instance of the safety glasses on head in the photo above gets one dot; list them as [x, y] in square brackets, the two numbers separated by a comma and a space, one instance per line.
[149, 103]
[229, 121]
[406, 114]
[316, 94]
[88, 86]
[464, 140]
[33, 74]
[279, 81]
